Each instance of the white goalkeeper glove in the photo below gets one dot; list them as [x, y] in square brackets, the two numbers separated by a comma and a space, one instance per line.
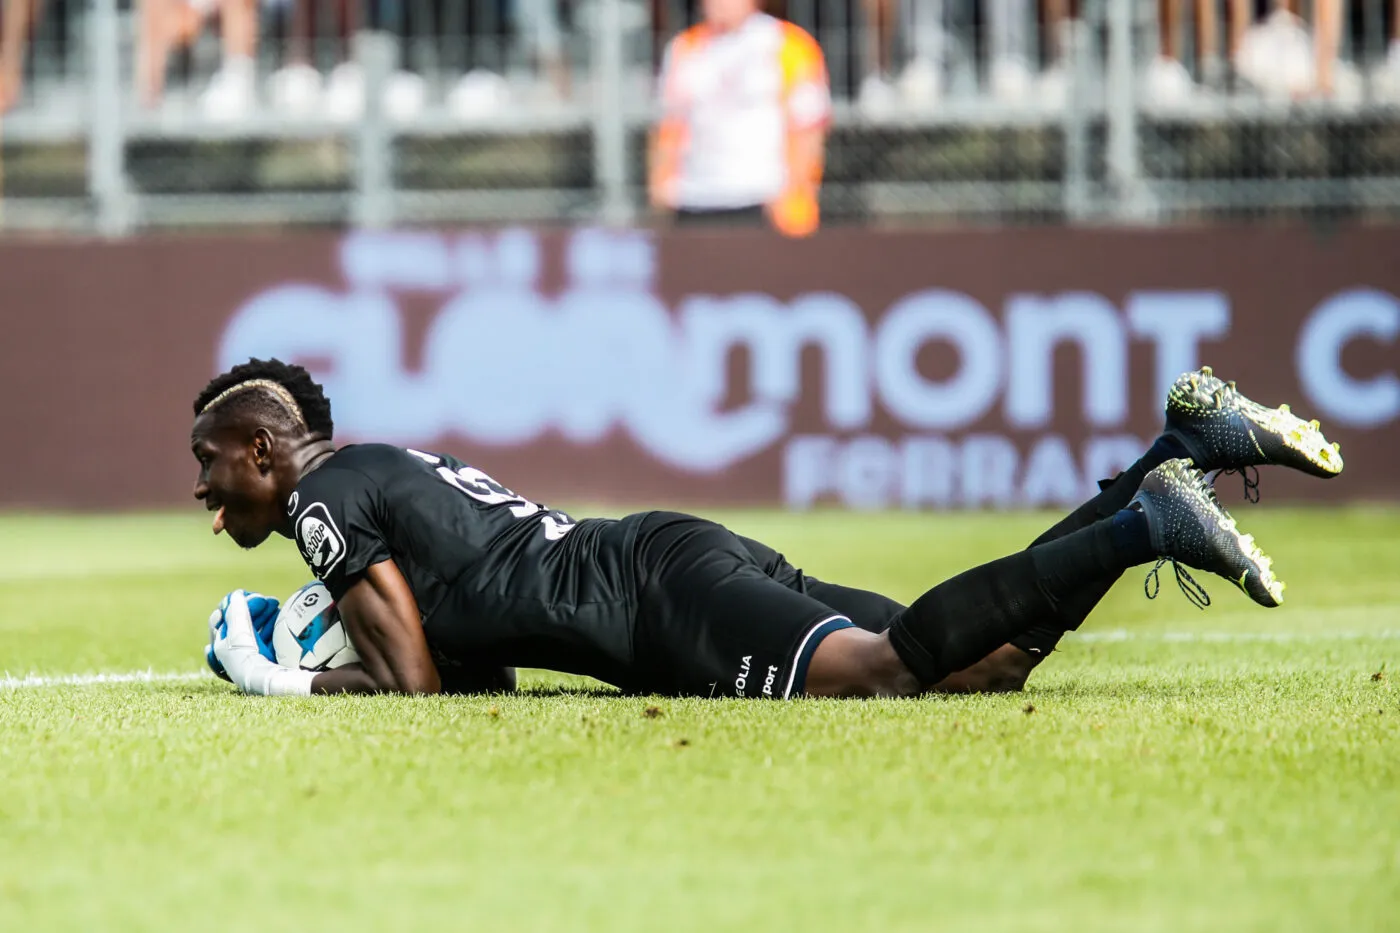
[235, 646]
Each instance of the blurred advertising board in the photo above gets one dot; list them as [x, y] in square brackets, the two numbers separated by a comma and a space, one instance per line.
[860, 368]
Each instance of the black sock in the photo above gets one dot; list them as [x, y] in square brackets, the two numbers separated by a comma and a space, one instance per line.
[1132, 535]
[1086, 556]
[962, 620]
[1115, 494]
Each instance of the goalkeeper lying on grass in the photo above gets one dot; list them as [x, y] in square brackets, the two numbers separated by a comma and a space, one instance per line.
[437, 569]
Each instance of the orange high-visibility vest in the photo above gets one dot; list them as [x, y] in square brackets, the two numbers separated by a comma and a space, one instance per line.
[735, 106]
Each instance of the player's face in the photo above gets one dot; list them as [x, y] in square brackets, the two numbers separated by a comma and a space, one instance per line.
[236, 480]
[728, 14]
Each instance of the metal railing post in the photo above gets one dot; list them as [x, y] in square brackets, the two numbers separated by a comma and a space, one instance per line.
[106, 161]
[1123, 164]
[609, 123]
[376, 52]
[1078, 200]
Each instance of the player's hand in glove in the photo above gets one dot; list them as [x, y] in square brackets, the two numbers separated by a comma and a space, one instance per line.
[263, 610]
[234, 643]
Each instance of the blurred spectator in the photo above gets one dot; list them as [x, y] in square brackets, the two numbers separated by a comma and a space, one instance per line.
[169, 25]
[313, 28]
[1327, 40]
[929, 30]
[1168, 80]
[538, 32]
[296, 87]
[877, 89]
[19, 21]
[1241, 13]
[1282, 60]
[746, 104]
[1058, 16]
[316, 29]
[1388, 75]
[1393, 55]
[538, 29]
[469, 37]
[1009, 74]
[888, 53]
[916, 31]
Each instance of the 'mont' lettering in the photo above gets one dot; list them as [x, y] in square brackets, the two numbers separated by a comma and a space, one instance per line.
[504, 363]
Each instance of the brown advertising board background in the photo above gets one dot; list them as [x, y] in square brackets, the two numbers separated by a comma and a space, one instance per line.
[105, 345]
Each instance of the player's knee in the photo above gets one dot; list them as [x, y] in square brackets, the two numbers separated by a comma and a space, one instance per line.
[979, 682]
[1003, 671]
[1013, 683]
[856, 663]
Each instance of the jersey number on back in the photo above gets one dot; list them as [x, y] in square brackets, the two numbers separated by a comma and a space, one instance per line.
[486, 490]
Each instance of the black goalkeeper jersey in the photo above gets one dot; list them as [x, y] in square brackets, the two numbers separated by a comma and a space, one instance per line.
[499, 580]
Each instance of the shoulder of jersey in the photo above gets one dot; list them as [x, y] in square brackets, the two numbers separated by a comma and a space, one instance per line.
[799, 39]
[693, 38]
[362, 459]
[690, 38]
[358, 456]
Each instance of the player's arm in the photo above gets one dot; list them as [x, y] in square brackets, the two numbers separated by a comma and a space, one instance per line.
[807, 104]
[806, 155]
[381, 617]
[667, 142]
[665, 158]
[17, 22]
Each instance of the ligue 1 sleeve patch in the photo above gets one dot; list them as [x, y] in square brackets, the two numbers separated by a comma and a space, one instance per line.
[321, 543]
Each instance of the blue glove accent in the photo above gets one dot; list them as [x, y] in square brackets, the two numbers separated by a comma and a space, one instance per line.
[263, 610]
[214, 664]
[222, 624]
[221, 627]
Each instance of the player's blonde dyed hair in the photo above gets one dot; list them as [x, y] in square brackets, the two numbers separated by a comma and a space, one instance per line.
[278, 391]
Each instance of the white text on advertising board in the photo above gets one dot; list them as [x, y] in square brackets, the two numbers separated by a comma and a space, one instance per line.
[505, 364]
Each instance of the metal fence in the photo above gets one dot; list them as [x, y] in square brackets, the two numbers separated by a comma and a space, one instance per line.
[532, 110]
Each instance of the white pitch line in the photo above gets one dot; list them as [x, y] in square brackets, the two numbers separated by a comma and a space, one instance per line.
[8, 682]
[1120, 635]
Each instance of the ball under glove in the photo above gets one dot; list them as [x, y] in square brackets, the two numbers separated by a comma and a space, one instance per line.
[235, 646]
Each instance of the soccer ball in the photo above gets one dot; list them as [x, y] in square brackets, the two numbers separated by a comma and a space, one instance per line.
[308, 633]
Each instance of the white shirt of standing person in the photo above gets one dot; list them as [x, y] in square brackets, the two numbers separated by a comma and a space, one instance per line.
[728, 90]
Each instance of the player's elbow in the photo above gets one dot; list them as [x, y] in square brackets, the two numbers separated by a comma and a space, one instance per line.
[417, 683]
[411, 682]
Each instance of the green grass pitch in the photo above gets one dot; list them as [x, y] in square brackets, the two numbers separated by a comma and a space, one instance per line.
[1235, 769]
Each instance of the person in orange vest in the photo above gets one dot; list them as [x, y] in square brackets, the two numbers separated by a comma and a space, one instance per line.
[746, 104]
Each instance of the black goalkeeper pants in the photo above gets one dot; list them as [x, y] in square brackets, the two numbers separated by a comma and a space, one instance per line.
[870, 611]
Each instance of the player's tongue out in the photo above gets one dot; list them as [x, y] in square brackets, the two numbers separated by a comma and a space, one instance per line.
[219, 520]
